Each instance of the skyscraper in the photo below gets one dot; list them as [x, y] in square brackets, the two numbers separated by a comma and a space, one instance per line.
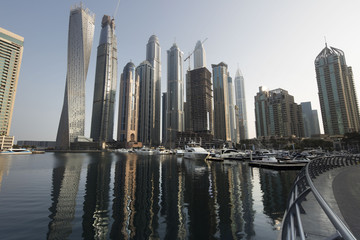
[164, 110]
[199, 100]
[102, 123]
[146, 127]
[72, 120]
[221, 102]
[199, 56]
[11, 50]
[277, 114]
[338, 101]
[311, 123]
[232, 116]
[128, 105]
[175, 90]
[241, 104]
[153, 56]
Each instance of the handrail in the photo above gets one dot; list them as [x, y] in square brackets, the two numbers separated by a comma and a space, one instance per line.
[292, 225]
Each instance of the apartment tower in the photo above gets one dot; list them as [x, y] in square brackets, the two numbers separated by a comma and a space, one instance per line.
[80, 38]
[102, 123]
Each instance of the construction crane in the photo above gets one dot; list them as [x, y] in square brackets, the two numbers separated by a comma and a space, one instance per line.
[188, 57]
[116, 9]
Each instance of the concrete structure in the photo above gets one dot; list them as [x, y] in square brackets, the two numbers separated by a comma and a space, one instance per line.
[6, 142]
[199, 56]
[11, 50]
[199, 101]
[232, 115]
[72, 120]
[221, 102]
[310, 120]
[175, 94]
[102, 123]
[128, 106]
[241, 105]
[146, 128]
[277, 114]
[153, 56]
[338, 101]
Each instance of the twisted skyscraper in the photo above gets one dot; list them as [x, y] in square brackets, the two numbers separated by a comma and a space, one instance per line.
[81, 33]
[102, 124]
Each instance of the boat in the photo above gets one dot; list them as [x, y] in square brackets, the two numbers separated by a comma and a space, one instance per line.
[180, 152]
[161, 150]
[194, 151]
[232, 154]
[16, 151]
[145, 151]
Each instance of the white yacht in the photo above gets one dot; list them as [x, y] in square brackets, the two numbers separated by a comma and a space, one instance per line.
[194, 151]
[145, 151]
[161, 150]
[16, 151]
[229, 153]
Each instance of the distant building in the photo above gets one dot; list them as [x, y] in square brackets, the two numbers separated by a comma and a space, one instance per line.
[11, 50]
[221, 102]
[310, 121]
[338, 101]
[102, 124]
[199, 100]
[37, 144]
[81, 33]
[277, 114]
[199, 56]
[232, 115]
[128, 106]
[153, 56]
[146, 128]
[175, 94]
[241, 105]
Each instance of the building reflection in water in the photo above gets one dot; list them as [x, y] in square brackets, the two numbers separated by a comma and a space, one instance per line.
[65, 184]
[96, 200]
[5, 164]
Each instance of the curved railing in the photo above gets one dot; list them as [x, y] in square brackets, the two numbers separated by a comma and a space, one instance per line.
[292, 227]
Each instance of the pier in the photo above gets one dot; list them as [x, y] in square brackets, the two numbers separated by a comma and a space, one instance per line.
[325, 201]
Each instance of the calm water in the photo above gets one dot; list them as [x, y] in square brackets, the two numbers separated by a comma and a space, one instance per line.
[127, 196]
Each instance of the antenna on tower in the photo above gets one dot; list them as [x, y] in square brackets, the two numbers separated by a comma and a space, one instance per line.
[116, 9]
[325, 41]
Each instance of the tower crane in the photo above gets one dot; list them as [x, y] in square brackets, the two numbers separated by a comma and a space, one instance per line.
[188, 57]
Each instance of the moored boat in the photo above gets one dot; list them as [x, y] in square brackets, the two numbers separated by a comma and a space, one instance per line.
[16, 151]
[193, 151]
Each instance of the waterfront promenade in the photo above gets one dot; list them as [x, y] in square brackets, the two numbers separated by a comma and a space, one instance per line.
[337, 183]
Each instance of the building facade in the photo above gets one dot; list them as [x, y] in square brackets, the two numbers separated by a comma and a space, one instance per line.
[153, 56]
[311, 122]
[338, 101]
[199, 100]
[221, 102]
[80, 38]
[128, 105]
[277, 115]
[232, 114]
[199, 56]
[175, 96]
[164, 115]
[241, 105]
[102, 123]
[147, 99]
[11, 51]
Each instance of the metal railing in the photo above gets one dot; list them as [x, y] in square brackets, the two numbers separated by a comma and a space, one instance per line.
[292, 227]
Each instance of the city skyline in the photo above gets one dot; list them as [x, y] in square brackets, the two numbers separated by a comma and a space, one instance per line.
[249, 34]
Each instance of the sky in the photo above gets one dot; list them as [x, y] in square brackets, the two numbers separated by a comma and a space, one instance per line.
[274, 43]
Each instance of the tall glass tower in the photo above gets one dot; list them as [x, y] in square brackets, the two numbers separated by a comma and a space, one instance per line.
[241, 105]
[175, 90]
[81, 33]
[221, 102]
[102, 123]
[232, 116]
[11, 50]
[338, 102]
[153, 56]
[146, 128]
[199, 56]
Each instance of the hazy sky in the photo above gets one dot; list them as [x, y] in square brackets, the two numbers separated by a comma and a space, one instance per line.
[274, 43]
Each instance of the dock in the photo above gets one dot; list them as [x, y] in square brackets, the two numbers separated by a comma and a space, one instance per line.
[277, 166]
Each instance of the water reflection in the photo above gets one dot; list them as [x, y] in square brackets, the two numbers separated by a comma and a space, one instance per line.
[128, 196]
[4, 168]
[65, 182]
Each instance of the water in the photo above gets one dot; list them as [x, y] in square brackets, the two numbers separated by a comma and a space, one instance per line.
[127, 196]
